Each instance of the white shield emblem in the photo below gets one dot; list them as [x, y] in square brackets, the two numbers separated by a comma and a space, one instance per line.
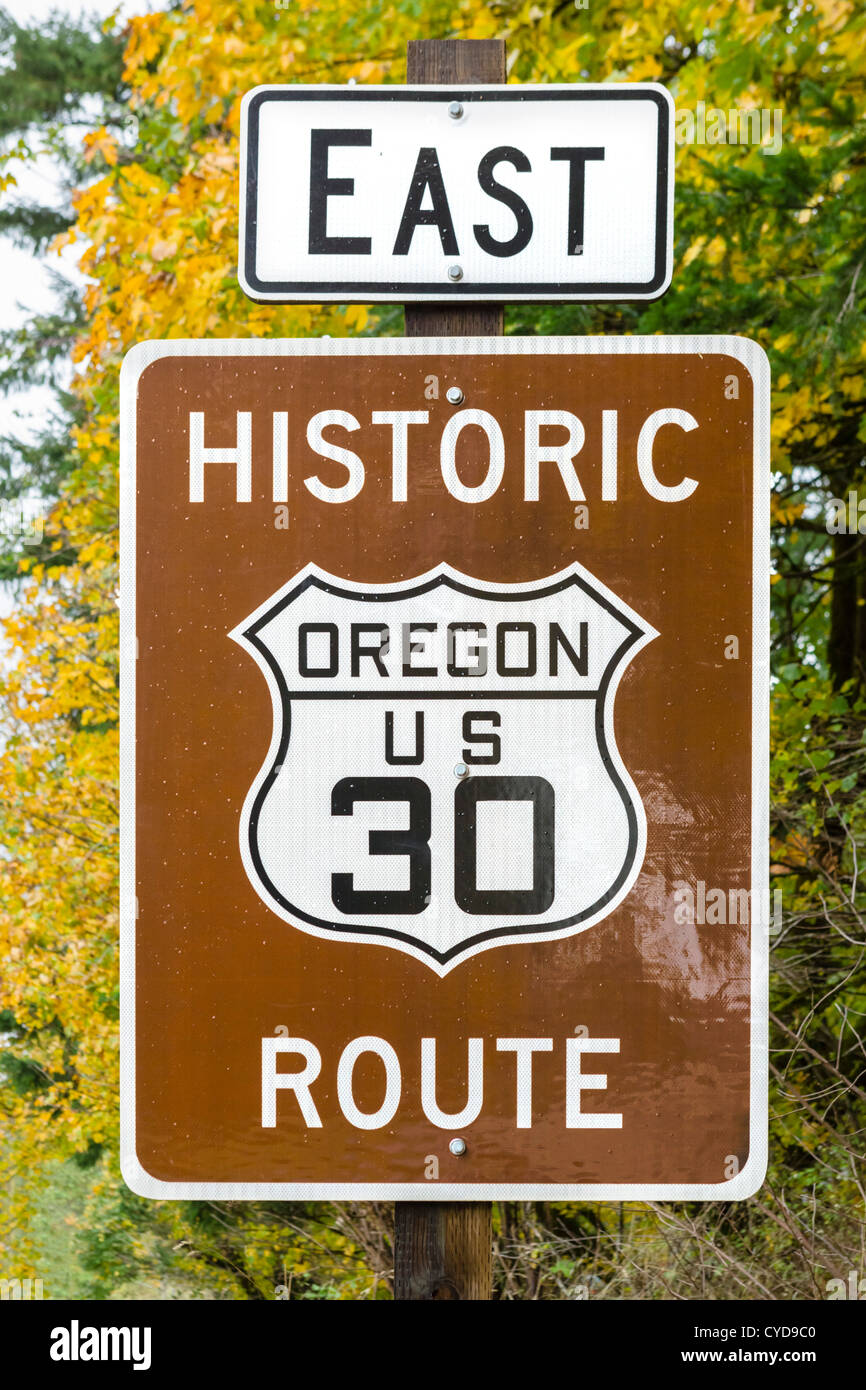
[443, 775]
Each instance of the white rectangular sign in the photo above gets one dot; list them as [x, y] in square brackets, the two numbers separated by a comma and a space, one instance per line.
[431, 193]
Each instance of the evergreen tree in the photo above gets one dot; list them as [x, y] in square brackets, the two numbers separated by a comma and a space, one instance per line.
[57, 77]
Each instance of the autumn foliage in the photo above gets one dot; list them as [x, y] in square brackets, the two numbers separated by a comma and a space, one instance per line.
[768, 245]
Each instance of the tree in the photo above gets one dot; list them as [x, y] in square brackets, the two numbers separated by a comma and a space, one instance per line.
[54, 76]
[768, 244]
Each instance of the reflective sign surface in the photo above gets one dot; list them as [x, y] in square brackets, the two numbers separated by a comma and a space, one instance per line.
[433, 193]
[444, 769]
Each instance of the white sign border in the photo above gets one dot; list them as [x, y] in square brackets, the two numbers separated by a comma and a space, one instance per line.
[350, 292]
[749, 1180]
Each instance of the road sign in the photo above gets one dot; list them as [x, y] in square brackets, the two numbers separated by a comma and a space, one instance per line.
[444, 768]
[436, 193]
[409, 673]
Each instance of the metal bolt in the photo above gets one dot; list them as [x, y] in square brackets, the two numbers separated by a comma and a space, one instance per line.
[454, 396]
[457, 1147]
[455, 110]
[461, 770]
[455, 272]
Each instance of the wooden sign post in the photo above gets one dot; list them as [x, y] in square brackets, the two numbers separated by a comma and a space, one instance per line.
[443, 1249]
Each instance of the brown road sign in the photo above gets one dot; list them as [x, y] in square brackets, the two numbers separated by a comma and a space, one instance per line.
[444, 768]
